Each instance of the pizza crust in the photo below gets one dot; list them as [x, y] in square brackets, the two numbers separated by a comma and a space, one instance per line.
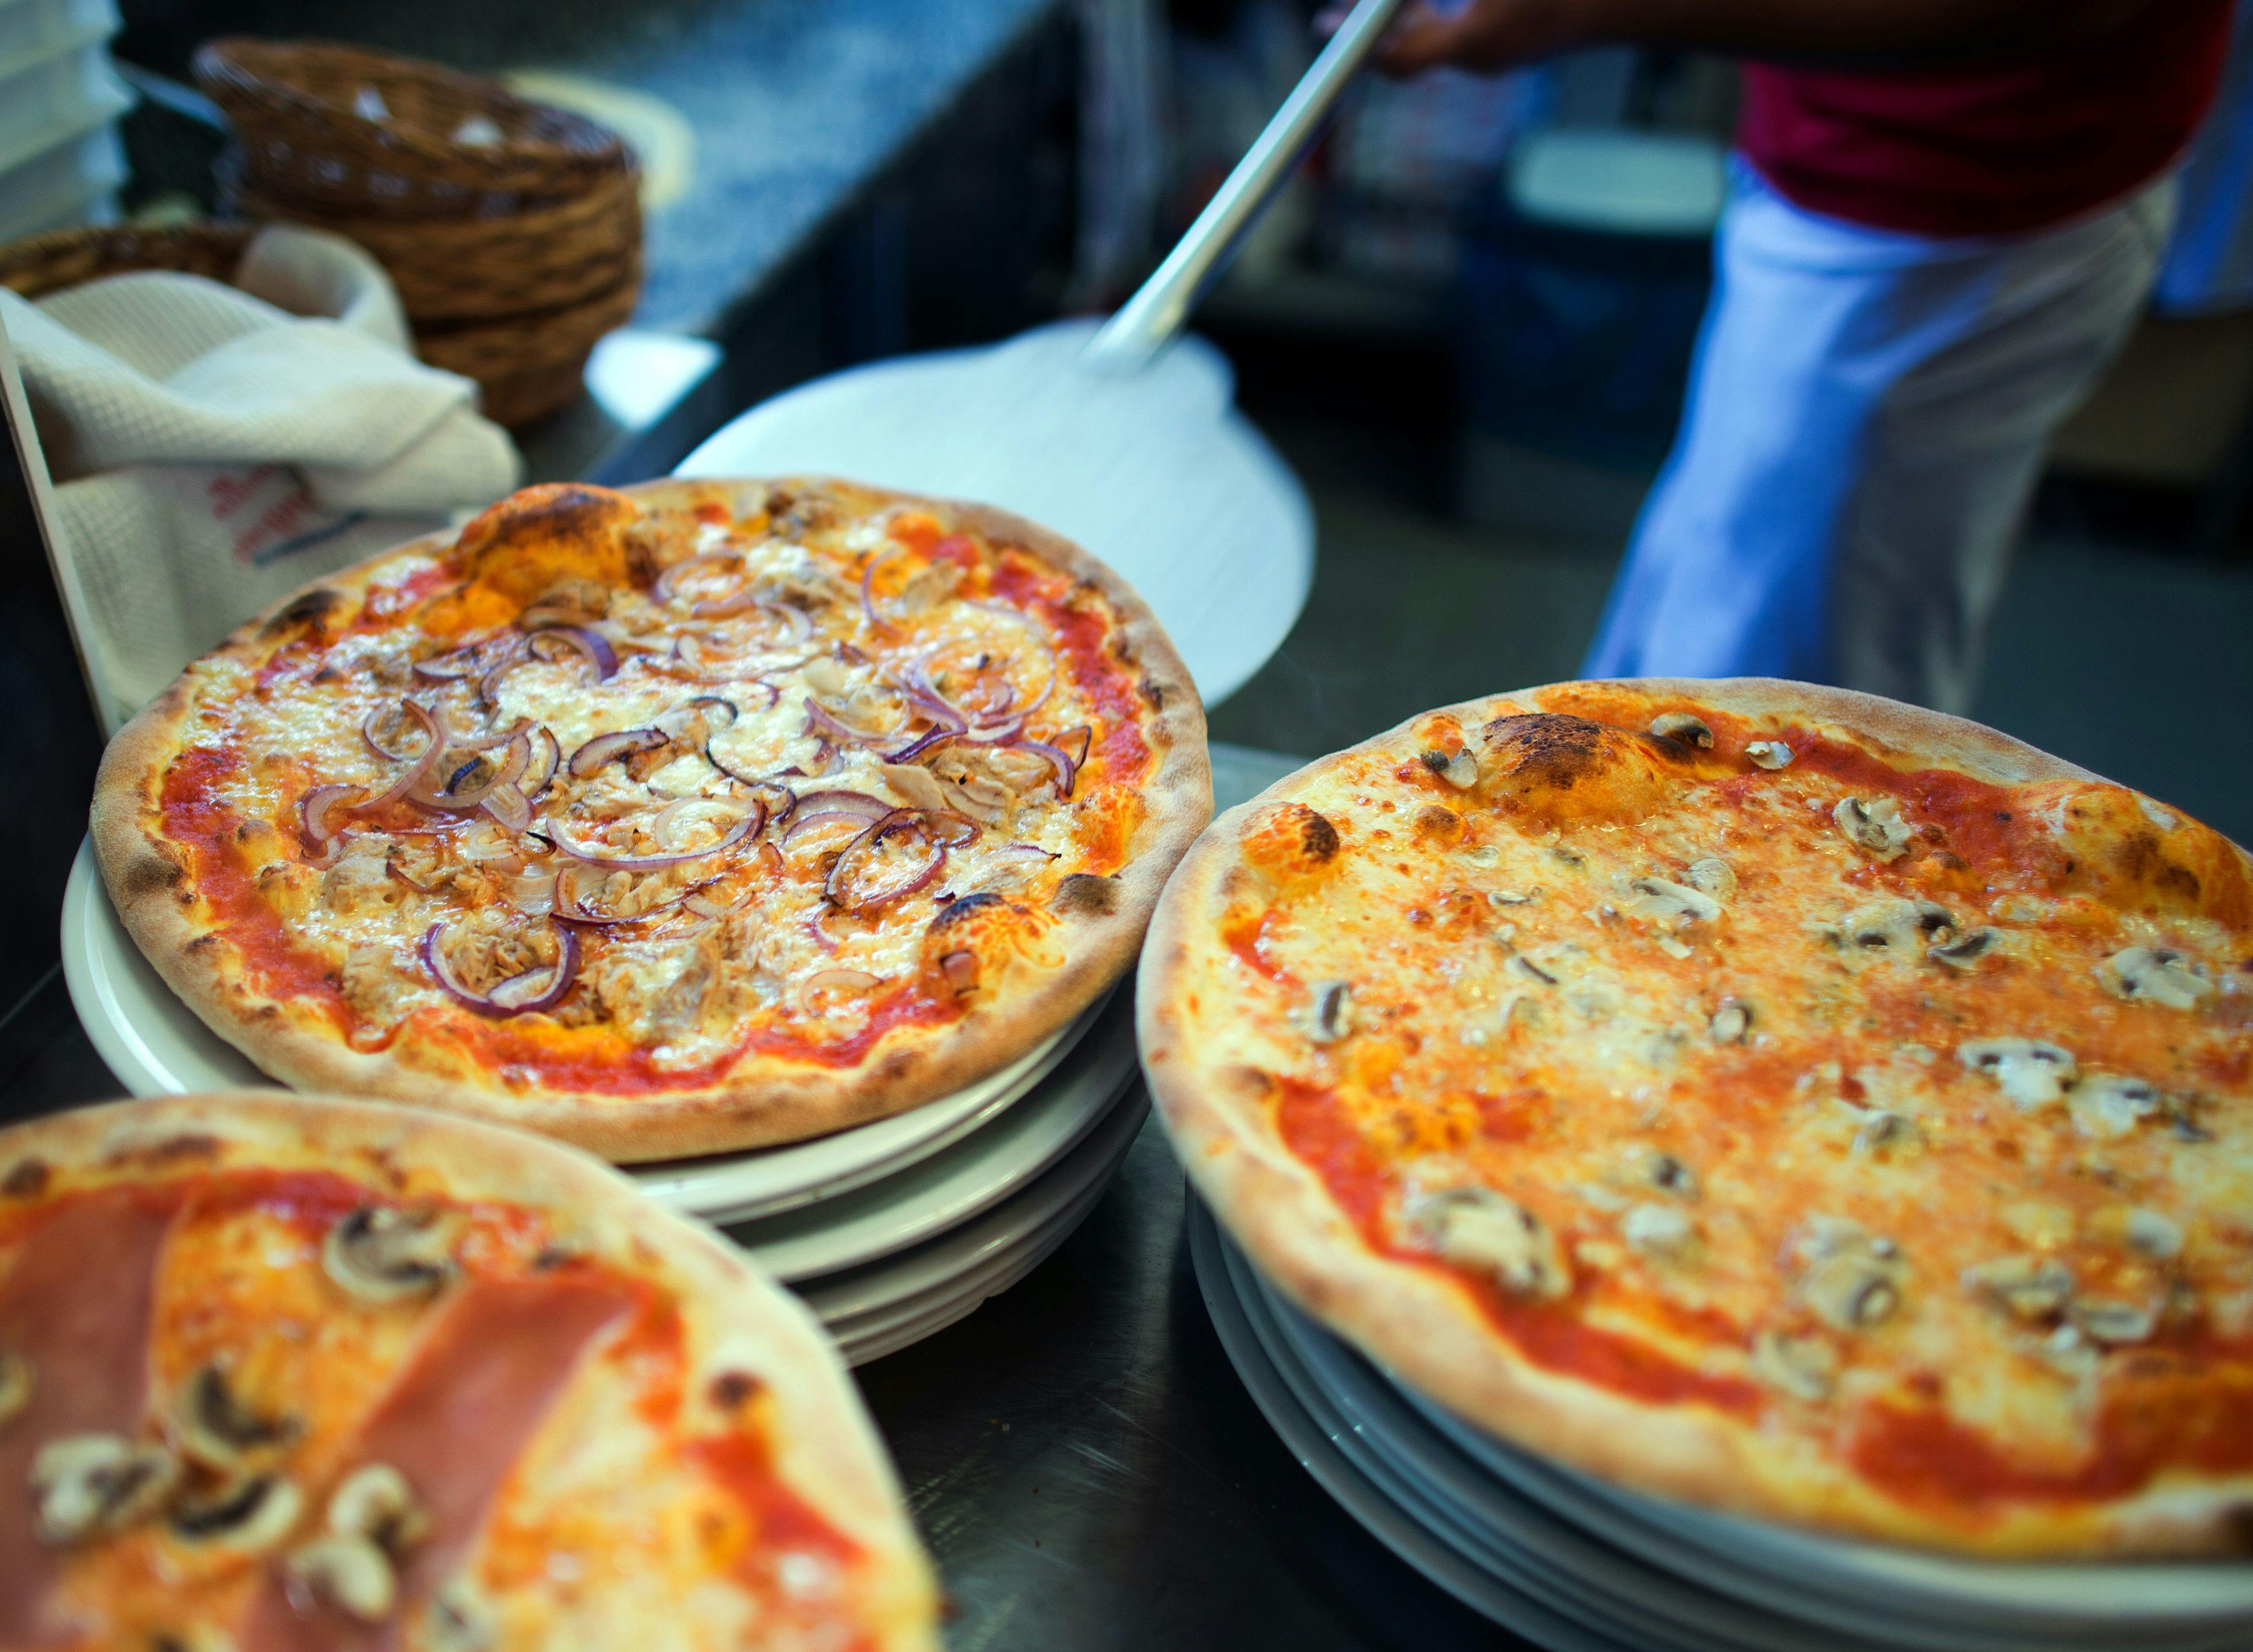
[764, 1100]
[825, 1447]
[1431, 1334]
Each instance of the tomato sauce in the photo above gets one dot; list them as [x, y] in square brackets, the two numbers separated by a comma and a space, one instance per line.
[1982, 824]
[194, 816]
[1551, 1336]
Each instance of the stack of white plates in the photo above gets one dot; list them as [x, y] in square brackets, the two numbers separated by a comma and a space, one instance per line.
[60, 100]
[1572, 1563]
[891, 1230]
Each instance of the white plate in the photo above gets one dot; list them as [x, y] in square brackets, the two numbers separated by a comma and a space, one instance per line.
[768, 1181]
[960, 1260]
[872, 1336]
[1934, 1600]
[1580, 1571]
[157, 1046]
[1316, 1448]
[153, 1042]
[950, 1188]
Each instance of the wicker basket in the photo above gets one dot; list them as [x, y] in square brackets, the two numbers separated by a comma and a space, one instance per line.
[64, 258]
[481, 268]
[530, 365]
[338, 128]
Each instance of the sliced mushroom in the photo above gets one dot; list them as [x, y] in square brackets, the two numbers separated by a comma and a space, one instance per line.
[2030, 1287]
[1729, 1024]
[1477, 1228]
[2142, 974]
[1852, 1279]
[84, 1485]
[1329, 1013]
[252, 1514]
[214, 1427]
[1767, 754]
[2103, 1321]
[1680, 725]
[2158, 1236]
[1458, 769]
[383, 1254]
[1895, 924]
[349, 1573]
[375, 1503]
[1850, 1292]
[459, 1619]
[1884, 1132]
[1803, 1366]
[1666, 1172]
[17, 1383]
[1965, 950]
[1521, 964]
[1661, 900]
[1874, 823]
[1660, 1231]
[2110, 1105]
[2032, 1073]
[1714, 876]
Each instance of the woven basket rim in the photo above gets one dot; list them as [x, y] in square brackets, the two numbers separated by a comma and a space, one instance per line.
[251, 78]
[57, 260]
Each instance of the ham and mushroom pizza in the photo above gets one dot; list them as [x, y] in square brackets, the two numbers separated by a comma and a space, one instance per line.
[279, 1373]
[1766, 1096]
[692, 817]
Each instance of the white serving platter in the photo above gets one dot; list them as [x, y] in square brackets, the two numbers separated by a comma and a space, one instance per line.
[944, 1191]
[949, 1278]
[157, 1046]
[1314, 1442]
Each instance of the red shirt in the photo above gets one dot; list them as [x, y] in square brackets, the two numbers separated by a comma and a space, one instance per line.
[1998, 148]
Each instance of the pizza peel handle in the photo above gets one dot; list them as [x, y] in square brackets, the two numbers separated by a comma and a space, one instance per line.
[1124, 438]
[1155, 315]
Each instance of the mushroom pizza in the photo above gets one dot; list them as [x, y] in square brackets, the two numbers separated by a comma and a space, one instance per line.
[696, 816]
[1763, 1095]
[278, 1373]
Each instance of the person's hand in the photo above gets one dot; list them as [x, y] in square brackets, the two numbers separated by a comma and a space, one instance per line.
[1488, 35]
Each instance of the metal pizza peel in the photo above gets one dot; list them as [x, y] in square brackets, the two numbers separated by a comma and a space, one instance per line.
[1122, 436]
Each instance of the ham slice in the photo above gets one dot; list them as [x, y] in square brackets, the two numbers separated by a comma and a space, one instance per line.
[472, 1394]
[77, 1304]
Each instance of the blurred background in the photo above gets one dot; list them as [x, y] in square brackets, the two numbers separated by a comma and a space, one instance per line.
[1467, 324]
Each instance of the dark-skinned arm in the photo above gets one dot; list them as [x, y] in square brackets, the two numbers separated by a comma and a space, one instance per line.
[1500, 34]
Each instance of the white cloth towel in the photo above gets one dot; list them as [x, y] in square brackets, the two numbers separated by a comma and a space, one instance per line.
[215, 447]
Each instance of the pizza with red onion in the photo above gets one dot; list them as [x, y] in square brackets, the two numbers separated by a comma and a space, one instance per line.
[280, 1373]
[1765, 1095]
[694, 816]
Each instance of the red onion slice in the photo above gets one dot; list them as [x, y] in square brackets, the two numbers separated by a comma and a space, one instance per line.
[591, 646]
[837, 981]
[796, 621]
[820, 720]
[536, 989]
[668, 584]
[455, 663]
[868, 589]
[610, 860]
[506, 770]
[547, 758]
[320, 808]
[484, 741]
[855, 883]
[858, 803]
[368, 737]
[507, 806]
[412, 774]
[1076, 742]
[607, 748]
[1025, 852]
[1066, 770]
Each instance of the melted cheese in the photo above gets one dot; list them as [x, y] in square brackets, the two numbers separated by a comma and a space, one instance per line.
[1535, 1016]
[685, 986]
